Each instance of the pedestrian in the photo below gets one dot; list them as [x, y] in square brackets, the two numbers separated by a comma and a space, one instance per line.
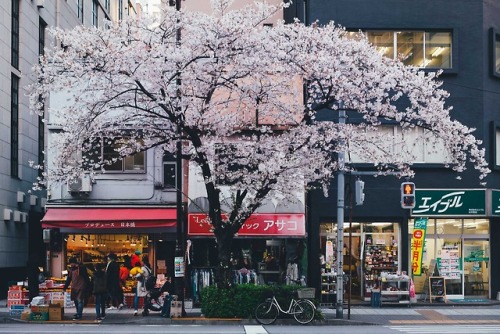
[166, 289]
[79, 280]
[124, 275]
[135, 258]
[100, 291]
[113, 283]
[136, 273]
[34, 275]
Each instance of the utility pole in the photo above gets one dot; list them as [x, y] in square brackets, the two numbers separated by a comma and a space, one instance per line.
[340, 223]
[179, 273]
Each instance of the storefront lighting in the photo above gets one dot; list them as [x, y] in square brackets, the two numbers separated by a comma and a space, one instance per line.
[81, 238]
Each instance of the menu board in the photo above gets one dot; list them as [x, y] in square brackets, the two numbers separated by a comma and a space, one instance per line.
[437, 287]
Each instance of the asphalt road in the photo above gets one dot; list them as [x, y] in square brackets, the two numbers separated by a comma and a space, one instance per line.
[22, 328]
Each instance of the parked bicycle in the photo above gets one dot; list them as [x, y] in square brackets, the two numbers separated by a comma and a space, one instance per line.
[303, 310]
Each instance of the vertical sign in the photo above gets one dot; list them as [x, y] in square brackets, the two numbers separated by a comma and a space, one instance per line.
[179, 266]
[417, 245]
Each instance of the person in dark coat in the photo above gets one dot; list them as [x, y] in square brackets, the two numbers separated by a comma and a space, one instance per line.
[33, 268]
[113, 282]
[100, 291]
[166, 289]
[79, 281]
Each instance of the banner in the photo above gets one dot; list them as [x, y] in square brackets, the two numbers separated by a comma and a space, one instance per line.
[417, 245]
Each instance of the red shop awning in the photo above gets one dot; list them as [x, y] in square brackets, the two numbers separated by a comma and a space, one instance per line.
[109, 218]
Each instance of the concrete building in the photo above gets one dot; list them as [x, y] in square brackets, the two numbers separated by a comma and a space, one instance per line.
[22, 134]
[462, 240]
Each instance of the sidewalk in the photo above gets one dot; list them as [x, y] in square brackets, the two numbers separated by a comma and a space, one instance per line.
[484, 311]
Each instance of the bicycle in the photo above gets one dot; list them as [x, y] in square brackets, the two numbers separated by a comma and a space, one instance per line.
[303, 310]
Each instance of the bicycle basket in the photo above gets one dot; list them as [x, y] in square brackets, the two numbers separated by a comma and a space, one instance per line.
[306, 293]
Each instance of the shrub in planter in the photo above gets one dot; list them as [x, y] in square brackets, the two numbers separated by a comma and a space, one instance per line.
[241, 300]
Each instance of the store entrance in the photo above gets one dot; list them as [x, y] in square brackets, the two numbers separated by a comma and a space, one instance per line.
[476, 269]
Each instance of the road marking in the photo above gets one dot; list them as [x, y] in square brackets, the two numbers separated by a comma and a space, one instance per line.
[469, 329]
[450, 321]
[255, 329]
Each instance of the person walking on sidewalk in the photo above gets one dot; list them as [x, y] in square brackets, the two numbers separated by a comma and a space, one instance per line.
[79, 281]
[140, 274]
[113, 283]
[100, 291]
[124, 275]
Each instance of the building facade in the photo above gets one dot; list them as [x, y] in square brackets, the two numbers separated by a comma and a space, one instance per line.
[461, 215]
[23, 139]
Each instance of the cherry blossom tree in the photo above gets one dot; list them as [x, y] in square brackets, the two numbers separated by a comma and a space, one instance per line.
[242, 98]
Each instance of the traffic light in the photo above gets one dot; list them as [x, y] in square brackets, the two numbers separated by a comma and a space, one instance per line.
[359, 192]
[407, 195]
[55, 240]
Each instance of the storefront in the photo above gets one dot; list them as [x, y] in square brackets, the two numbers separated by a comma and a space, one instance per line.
[269, 248]
[370, 248]
[457, 241]
[90, 233]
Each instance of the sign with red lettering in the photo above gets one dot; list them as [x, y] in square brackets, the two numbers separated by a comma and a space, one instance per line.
[259, 224]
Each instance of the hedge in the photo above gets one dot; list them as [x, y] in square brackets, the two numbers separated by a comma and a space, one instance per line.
[241, 300]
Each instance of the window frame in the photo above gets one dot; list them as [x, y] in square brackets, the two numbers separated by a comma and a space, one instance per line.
[14, 126]
[495, 40]
[453, 40]
[14, 49]
[495, 145]
[173, 184]
[42, 26]
[95, 13]
[79, 9]
[121, 160]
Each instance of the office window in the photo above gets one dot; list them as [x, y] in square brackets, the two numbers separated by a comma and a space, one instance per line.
[495, 53]
[42, 26]
[423, 49]
[424, 147]
[14, 126]
[15, 34]
[108, 149]
[496, 146]
[120, 10]
[79, 9]
[106, 5]
[95, 12]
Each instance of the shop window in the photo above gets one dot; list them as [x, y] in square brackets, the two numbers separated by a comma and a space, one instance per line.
[423, 49]
[110, 153]
[449, 226]
[476, 226]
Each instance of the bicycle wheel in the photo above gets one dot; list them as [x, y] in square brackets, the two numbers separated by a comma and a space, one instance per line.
[303, 311]
[266, 313]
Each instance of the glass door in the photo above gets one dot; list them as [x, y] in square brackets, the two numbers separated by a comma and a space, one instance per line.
[476, 259]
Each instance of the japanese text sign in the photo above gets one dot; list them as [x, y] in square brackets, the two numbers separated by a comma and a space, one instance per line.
[417, 245]
[259, 224]
[450, 202]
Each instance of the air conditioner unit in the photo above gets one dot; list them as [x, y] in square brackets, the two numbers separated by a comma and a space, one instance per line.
[46, 235]
[80, 184]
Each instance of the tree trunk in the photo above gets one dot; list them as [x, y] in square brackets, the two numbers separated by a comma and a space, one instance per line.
[223, 272]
